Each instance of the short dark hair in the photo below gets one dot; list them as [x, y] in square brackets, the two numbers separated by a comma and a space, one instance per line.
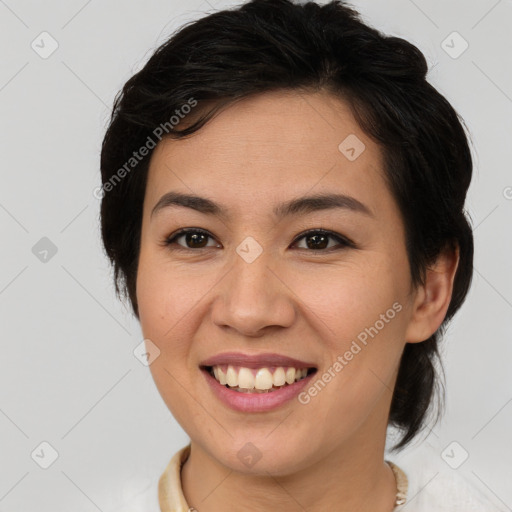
[269, 45]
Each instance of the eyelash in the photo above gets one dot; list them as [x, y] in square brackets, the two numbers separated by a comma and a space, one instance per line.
[342, 241]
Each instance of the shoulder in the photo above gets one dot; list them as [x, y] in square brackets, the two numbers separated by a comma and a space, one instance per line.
[443, 491]
[138, 495]
[432, 485]
[156, 494]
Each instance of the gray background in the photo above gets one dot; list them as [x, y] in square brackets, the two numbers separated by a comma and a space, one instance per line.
[68, 375]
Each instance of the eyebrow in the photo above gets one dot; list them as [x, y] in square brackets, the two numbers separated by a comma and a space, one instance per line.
[298, 206]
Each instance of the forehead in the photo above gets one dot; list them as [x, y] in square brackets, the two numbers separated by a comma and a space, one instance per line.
[265, 145]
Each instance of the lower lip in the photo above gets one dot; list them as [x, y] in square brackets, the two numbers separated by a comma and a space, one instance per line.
[255, 402]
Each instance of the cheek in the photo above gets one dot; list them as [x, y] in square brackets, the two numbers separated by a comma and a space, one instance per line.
[149, 297]
[350, 297]
[364, 355]
[172, 301]
[164, 295]
[163, 320]
[359, 316]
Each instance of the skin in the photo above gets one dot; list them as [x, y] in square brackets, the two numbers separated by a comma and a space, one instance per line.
[302, 302]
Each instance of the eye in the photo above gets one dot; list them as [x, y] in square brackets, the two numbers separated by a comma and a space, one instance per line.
[195, 237]
[318, 239]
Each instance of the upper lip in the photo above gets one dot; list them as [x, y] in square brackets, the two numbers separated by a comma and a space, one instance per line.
[255, 361]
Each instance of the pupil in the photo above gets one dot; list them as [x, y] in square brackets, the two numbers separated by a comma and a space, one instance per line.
[316, 239]
[192, 238]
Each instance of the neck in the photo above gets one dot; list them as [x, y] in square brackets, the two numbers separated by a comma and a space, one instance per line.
[353, 476]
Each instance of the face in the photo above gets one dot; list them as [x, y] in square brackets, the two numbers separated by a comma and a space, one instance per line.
[255, 279]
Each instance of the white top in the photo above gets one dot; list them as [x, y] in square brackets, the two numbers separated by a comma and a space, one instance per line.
[431, 488]
[434, 490]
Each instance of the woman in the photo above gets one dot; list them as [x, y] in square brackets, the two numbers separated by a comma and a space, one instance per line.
[283, 205]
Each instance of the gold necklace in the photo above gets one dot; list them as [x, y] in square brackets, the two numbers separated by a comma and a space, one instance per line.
[401, 483]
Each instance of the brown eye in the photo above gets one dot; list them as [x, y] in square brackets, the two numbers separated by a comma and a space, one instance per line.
[193, 239]
[319, 240]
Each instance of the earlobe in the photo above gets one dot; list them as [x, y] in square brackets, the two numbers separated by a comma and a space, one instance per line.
[433, 298]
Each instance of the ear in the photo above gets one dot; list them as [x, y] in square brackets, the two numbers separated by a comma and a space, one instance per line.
[433, 298]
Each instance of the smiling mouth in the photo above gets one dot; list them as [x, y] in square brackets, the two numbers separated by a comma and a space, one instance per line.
[257, 380]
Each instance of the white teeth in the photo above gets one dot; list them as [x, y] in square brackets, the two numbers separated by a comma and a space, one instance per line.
[279, 377]
[221, 377]
[290, 375]
[231, 377]
[263, 379]
[244, 380]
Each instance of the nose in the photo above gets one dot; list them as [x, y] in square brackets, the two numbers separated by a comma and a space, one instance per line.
[253, 298]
